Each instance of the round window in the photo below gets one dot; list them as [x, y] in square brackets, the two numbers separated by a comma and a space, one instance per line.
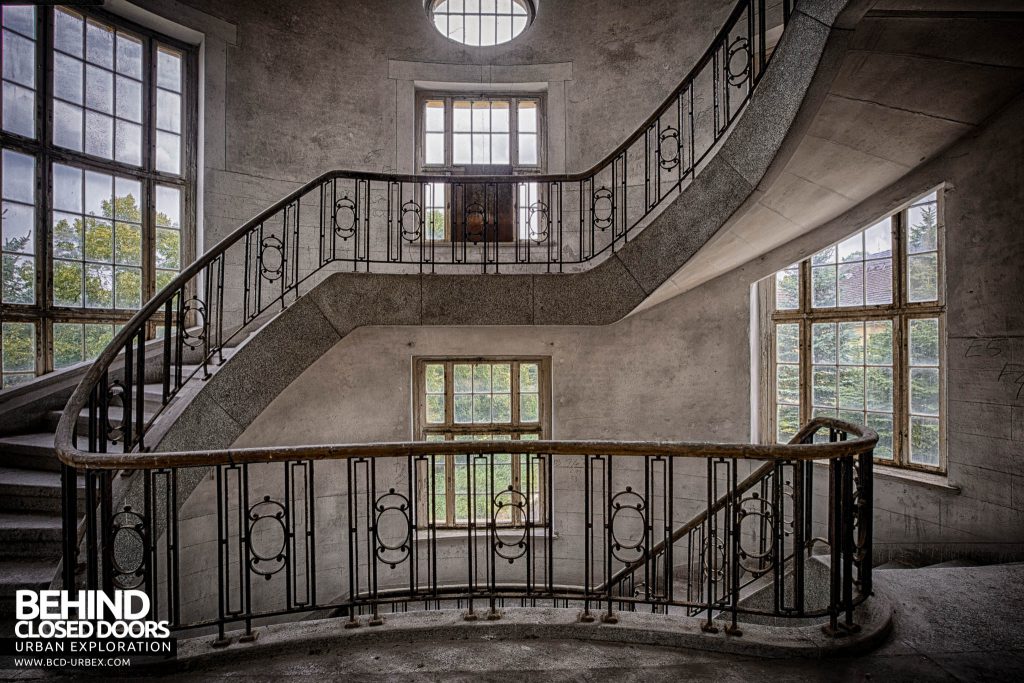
[481, 23]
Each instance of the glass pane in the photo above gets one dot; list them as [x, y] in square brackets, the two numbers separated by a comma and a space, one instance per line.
[99, 44]
[787, 289]
[463, 378]
[168, 69]
[129, 99]
[878, 282]
[823, 386]
[787, 384]
[434, 152]
[924, 341]
[851, 284]
[823, 343]
[67, 188]
[879, 342]
[824, 257]
[502, 407]
[168, 248]
[19, 171]
[481, 408]
[528, 149]
[481, 378]
[529, 408]
[67, 32]
[528, 117]
[500, 116]
[499, 149]
[67, 344]
[878, 389]
[463, 404]
[19, 110]
[924, 391]
[98, 193]
[481, 149]
[128, 244]
[99, 134]
[434, 375]
[128, 288]
[433, 116]
[168, 111]
[21, 19]
[99, 89]
[168, 206]
[168, 152]
[851, 389]
[128, 142]
[882, 423]
[19, 348]
[787, 422]
[67, 236]
[435, 409]
[19, 57]
[129, 56]
[823, 286]
[96, 339]
[19, 228]
[67, 78]
[787, 343]
[67, 126]
[922, 228]
[67, 283]
[164, 278]
[851, 343]
[99, 240]
[502, 378]
[19, 279]
[99, 286]
[529, 377]
[851, 249]
[878, 240]
[923, 277]
[924, 441]
[128, 201]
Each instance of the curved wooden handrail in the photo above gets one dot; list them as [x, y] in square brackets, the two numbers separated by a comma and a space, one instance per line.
[70, 455]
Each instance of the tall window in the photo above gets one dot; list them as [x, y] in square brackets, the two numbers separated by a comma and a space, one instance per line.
[476, 399]
[97, 172]
[857, 334]
[485, 135]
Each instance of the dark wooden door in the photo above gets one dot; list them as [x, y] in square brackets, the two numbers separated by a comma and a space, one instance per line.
[483, 212]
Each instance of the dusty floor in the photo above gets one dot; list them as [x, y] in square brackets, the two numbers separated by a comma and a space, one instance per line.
[959, 624]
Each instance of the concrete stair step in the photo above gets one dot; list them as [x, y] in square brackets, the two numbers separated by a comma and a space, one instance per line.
[23, 490]
[24, 574]
[29, 451]
[950, 564]
[30, 534]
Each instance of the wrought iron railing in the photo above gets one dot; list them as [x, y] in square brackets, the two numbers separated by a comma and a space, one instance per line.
[368, 221]
[354, 530]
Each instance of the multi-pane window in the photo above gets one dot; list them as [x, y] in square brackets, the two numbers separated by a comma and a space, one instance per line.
[481, 22]
[857, 332]
[478, 399]
[96, 169]
[487, 135]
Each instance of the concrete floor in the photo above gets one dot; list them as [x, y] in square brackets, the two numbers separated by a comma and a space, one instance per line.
[951, 624]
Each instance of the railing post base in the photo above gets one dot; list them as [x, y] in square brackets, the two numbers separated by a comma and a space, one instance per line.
[586, 618]
[841, 630]
[249, 637]
[733, 631]
[470, 616]
[708, 628]
[609, 618]
[221, 642]
[377, 620]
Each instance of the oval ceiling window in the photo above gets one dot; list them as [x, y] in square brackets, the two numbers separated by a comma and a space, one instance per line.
[481, 23]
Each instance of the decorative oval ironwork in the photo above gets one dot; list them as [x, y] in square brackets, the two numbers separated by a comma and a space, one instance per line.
[267, 516]
[537, 216]
[271, 258]
[393, 551]
[712, 559]
[626, 505]
[739, 47]
[514, 504]
[668, 161]
[115, 398]
[345, 228]
[760, 512]
[603, 209]
[410, 234]
[128, 541]
[193, 305]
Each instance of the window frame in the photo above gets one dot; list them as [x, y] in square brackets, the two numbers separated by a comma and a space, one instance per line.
[900, 312]
[450, 429]
[430, 6]
[43, 313]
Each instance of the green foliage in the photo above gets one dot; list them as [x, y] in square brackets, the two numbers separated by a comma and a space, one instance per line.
[19, 351]
[19, 273]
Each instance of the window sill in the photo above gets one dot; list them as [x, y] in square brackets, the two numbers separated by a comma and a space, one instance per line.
[453, 535]
[932, 480]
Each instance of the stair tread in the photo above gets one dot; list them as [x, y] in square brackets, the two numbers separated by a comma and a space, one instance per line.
[23, 477]
[40, 439]
[27, 571]
[29, 520]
